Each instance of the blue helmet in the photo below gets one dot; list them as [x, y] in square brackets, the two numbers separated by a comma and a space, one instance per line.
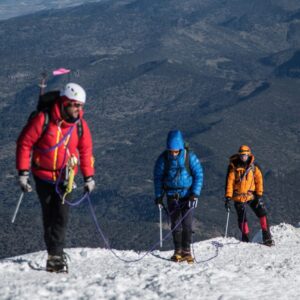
[175, 140]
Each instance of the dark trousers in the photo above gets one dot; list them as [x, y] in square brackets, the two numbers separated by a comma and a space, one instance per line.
[55, 216]
[258, 209]
[182, 235]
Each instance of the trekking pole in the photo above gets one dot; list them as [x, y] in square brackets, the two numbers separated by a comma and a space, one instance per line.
[227, 221]
[160, 226]
[17, 208]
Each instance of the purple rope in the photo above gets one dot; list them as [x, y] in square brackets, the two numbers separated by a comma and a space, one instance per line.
[58, 144]
[70, 131]
[77, 202]
[146, 253]
[63, 164]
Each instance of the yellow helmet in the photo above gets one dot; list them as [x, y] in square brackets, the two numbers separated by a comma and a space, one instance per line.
[244, 149]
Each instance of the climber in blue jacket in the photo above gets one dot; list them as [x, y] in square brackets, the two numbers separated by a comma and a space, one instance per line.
[178, 175]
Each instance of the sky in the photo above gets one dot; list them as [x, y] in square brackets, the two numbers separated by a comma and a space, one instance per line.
[226, 269]
[14, 8]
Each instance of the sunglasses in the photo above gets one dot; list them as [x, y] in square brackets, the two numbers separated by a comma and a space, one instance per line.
[75, 104]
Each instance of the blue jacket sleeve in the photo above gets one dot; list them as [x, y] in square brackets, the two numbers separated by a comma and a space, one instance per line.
[197, 173]
[158, 175]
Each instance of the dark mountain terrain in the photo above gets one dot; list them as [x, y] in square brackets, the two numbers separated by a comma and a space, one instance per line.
[225, 72]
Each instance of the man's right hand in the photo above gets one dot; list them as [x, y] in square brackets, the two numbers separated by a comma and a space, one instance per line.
[227, 203]
[159, 200]
[89, 184]
[24, 181]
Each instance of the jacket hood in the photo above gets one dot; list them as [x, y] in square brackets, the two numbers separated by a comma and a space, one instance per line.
[175, 140]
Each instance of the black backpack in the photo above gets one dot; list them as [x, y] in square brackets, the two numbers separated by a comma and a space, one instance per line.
[45, 103]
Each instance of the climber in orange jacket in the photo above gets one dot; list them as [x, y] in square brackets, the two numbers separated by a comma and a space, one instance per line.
[244, 186]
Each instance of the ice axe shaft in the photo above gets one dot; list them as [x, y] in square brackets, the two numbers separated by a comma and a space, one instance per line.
[227, 221]
[43, 84]
[17, 208]
[160, 226]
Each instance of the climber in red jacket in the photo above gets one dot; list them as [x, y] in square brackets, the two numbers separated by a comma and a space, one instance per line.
[51, 140]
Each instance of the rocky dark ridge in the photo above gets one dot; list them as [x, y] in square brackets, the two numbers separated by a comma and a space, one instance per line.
[224, 72]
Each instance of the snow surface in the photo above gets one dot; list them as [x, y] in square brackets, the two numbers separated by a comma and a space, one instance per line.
[227, 269]
[14, 8]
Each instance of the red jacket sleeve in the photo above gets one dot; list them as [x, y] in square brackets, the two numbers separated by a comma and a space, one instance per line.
[28, 137]
[85, 148]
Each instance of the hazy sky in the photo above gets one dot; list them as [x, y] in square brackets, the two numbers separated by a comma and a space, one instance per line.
[14, 8]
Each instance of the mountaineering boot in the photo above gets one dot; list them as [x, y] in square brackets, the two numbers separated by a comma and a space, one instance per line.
[245, 238]
[176, 257]
[267, 238]
[187, 256]
[57, 264]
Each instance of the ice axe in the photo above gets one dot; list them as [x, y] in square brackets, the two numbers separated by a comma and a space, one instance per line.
[43, 80]
[43, 84]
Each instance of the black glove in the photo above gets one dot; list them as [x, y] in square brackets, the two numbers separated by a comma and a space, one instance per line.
[159, 200]
[24, 181]
[193, 201]
[89, 184]
[260, 202]
[227, 203]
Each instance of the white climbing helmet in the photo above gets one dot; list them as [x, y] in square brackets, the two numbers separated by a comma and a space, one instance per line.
[74, 91]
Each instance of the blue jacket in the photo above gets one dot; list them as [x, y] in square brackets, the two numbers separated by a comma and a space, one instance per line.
[173, 175]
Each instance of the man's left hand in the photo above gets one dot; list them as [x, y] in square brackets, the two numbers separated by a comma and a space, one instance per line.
[193, 201]
[260, 201]
[89, 184]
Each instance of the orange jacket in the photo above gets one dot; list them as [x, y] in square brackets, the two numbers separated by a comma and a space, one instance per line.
[243, 180]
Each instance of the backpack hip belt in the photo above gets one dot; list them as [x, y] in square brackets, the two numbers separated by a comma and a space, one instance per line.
[244, 195]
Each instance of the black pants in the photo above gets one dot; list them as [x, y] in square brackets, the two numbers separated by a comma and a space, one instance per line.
[258, 209]
[55, 216]
[182, 235]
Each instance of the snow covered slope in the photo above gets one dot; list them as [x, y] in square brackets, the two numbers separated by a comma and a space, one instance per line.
[227, 269]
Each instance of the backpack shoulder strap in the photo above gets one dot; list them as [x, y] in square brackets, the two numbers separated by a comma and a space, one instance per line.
[45, 125]
[46, 122]
[187, 160]
[79, 129]
[46, 119]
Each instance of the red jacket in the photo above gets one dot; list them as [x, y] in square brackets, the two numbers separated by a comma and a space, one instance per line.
[47, 165]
